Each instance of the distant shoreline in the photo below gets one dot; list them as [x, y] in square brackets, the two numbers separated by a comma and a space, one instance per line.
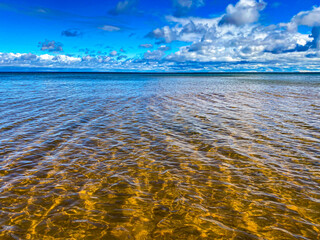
[151, 73]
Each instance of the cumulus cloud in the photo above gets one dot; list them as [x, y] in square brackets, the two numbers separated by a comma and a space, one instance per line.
[244, 12]
[113, 53]
[182, 7]
[164, 48]
[166, 34]
[249, 43]
[156, 54]
[126, 6]
[109, 28]
[185, 30]
[305, 18]
[51, 46]
[71, 33]
[302, 46]
[237, 37]
[147, 45]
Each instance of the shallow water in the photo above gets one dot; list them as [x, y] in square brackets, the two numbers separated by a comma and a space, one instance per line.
[224, 156]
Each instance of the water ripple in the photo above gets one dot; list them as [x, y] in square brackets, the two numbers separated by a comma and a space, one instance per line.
[88, 156]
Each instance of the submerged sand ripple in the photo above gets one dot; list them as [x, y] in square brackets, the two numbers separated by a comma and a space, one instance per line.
[89, 156]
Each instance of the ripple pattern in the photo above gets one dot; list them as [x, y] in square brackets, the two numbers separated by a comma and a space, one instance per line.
[111, 156]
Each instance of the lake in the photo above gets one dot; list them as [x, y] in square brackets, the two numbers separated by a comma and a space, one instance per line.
[159, 156]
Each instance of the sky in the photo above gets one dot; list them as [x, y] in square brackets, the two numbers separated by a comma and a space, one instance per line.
[160, 35]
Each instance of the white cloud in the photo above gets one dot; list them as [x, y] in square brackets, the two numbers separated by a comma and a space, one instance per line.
[248, 43]
[306, 18]
[64, 59]
[244, 12]
[154, 55]
[113, 53]
[235, 37]
[110, 28]
[147, 45]
[51, 46]
[185, 30]
[154, 61]
[28, 59]
[46, 57]
[164, 48]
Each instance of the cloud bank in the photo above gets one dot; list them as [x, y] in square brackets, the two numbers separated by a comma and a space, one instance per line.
[237, 37]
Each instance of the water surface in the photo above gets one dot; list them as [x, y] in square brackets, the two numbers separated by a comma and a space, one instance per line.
[126, 156]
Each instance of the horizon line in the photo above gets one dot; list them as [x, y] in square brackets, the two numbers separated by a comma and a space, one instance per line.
[100, 72]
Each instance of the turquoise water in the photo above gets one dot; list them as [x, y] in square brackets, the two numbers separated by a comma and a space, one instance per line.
[159, 156]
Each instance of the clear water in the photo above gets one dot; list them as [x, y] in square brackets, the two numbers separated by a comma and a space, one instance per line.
[127, 156]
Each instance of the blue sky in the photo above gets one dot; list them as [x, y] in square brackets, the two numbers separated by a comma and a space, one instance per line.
[160, 35]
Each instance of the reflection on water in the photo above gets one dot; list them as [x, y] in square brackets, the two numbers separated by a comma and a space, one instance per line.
[87, 156]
